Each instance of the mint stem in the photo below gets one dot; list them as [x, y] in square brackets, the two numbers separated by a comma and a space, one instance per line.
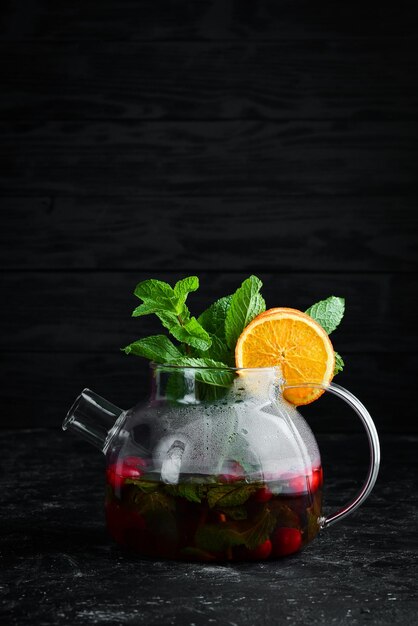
[186, 347]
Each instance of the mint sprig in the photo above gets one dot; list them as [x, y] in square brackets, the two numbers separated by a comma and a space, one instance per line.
[209, 340]
[245, 305]
[329, 313]
[169, 304]
[213, 319]
[157, 348]
[339, 363]
[189, 332]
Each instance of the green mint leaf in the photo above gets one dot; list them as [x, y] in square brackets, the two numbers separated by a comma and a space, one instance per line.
[193, 334]
[230, 494]
[185, 329]
[173, 322]
[246, 304]
[170, 320]
[218, 351]
[284, 515]
[189, 361]
[211, 384]
[157, 348]
[157, 294]
[218, 537]
[152, 502]
[339, 363]
[175, 388]
[181, 290]
[160, 297]
[255, 532]
[190, 491]
[146, 486]
[216, 376]
[210, 393]
[183, 287]
[145, 309]
[213, 319]
[328, 313]
[235, 512]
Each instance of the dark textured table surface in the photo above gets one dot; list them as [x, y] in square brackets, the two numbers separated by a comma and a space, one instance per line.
[60, 567]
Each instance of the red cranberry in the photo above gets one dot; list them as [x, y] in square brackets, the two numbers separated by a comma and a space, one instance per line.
[261, 552]
[129, 467]
[135, 461]
[263, 495]
[316, 479]
[286, 541]
[114, 480]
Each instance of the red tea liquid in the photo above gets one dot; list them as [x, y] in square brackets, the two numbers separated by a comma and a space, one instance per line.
[208, 519]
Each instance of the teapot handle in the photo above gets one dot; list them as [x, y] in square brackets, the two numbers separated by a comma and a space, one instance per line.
[374, 448]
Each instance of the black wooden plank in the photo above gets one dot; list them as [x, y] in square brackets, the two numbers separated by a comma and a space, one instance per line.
[202, 19]
[196, 234]
[85, 311]
[208, 158]
[319, 80]
[38, 389]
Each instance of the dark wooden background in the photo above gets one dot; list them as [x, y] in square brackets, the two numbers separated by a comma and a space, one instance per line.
[146, 138]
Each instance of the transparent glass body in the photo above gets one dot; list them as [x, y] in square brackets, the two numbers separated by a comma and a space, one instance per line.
[212, 472]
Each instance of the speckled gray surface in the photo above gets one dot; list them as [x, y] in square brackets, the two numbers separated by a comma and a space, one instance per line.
[60, 567]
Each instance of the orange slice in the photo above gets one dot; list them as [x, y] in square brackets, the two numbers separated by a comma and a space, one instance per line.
[293, 341]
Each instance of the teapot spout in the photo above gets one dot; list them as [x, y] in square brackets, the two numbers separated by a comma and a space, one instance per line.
[94, 419]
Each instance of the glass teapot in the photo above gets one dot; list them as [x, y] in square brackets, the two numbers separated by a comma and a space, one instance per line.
[216, 466]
